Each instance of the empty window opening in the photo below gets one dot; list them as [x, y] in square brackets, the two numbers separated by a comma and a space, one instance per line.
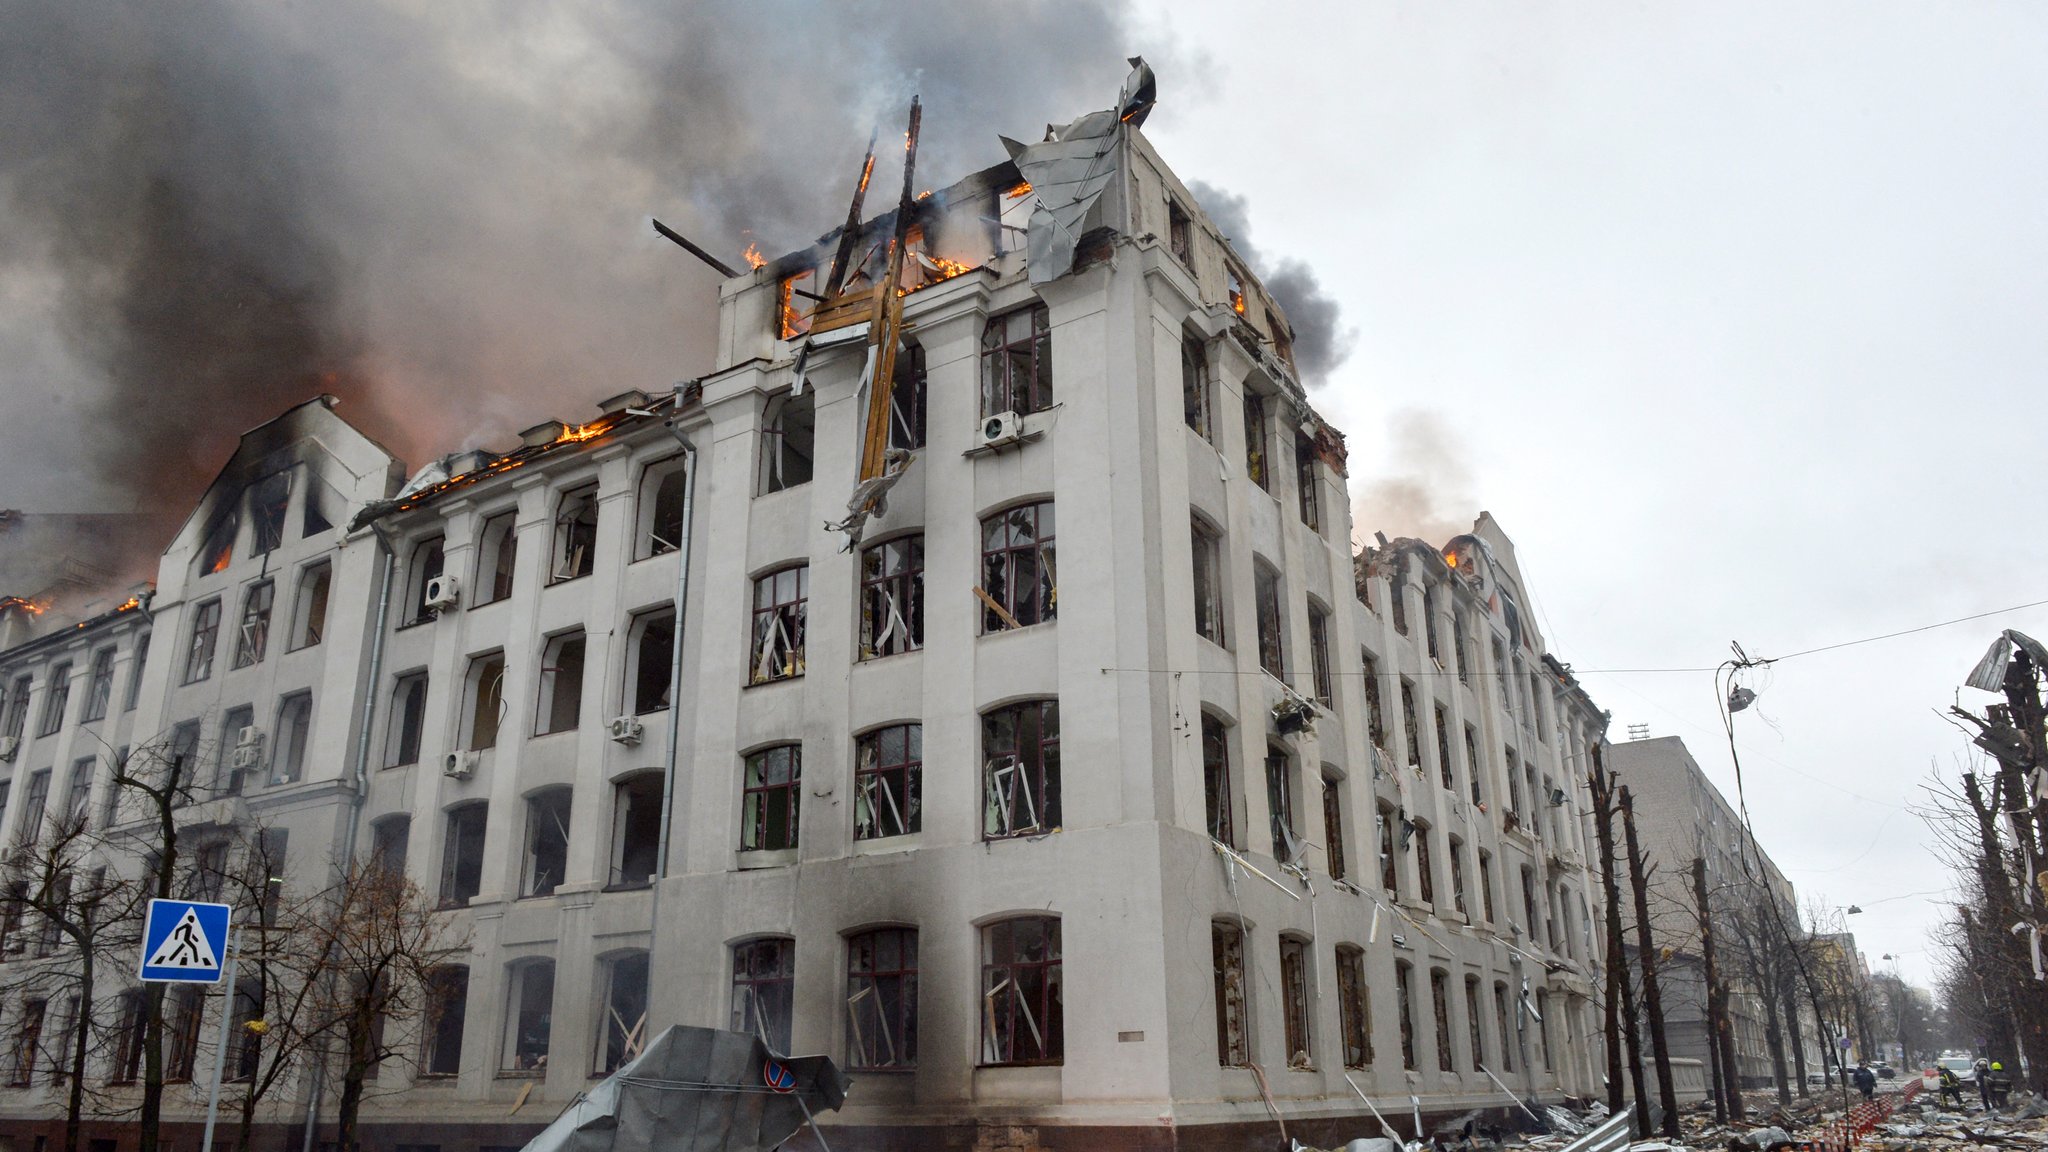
[1019, 573]
[486, 699]
[623, 1031]
[575, 534]
[1375, 708]
[17, 706]
[1023, 1011]
[239, 751]
[462, 856]
[763, 988]
[1542, 1013]
[320, 508]
[1307, 487]
[269, 500]
[1319, 655]
[497, 557]
[1020, 756]
[892, 597]
[907, 399]
[1266, 594]
[779, 610]
[881, 999]
[1486, 884]
[1383, 827]
[1529, 901]
[1194, 384]
[408, 720]
[654, 646]
[547, 842]
[1354, 1015]
[529, 1016]
[294, 724]
[561, 685]
[429, 558]
[1219, 796]
[1283, 341]
[1459, 641]
[1457, 851]
[1440, 1005]
[205, 632]
[798, 296]
[1474, 1034]
[1207, 551]
[1016, 362]
[1507, 1043]
[99, 692]
[56, 700]
[1429, 624]
[772, 799]
[1297, 998]
[309, 607]
[1404, 996]
[887, 788]
[219, 549]
[1180, 235]
[28, 1039]
[1256, 436]
[1425, 867]
[1333, 825]
[182, 1010]
[1473, 769]
[1234, 284]
[661, 508]
[1233, 1020]
[181, 753]
[389, 837]
[1280, 804]
[1397, 601]
[1411, 725]
[636, 830]
[789, 436]
[447, 1004]
[1445, 773]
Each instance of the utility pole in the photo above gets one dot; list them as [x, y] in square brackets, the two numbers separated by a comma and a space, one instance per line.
[1714, 1005]
[1646, 947]
[1620, 1000]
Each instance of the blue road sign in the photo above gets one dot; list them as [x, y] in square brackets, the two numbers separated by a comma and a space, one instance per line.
[778, 1076]
[185, 941]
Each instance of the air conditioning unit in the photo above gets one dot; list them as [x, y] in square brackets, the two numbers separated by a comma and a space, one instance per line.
[249, 736]
[1001, 429]
[9, 745]
[442, 593]
[626, 729]
[460, 765]
[246, 758]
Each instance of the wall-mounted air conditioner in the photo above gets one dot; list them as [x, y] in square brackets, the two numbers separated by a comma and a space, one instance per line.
[1000, 429]
[460, 765]
[626, 729]
[249, 736]
[246, 757]
[442, 593]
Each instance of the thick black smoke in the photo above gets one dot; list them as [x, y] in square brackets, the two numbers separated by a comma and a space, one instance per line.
[1321, 341]
[213, 209]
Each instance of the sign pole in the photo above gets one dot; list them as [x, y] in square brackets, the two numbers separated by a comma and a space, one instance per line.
[220, 1051]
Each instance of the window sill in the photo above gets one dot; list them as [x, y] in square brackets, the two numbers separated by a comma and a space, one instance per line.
[654, 556]
[1012, 632]
[780, 491]
[520, 1073]
[408, 625]
[558, 581]
[488, 603]
[873, 657]
[751, 859]
[773, 680]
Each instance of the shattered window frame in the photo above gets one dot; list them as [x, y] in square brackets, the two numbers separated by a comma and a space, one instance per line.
[497, 558]
[662, 486]
[1447, 773]
[1297, 1000]
[269, 506]
[56, 700]
[1022, 993]
[99, 694]
[1334, 862]
[781, 599]
[1404, 995]
[1460, 640]
[205, 636]
[907, 399]
[1375, 705]
[1397, 600]
[789, 441]
[293, 728]
[572, 554]
[1233, 1013]
[446, 1013]
[1456, 848]
[462, 852]
[1196, 386]
[1280, 804]
[252, 634]
[483, 692]
[544, 858]
[1425, 863]
[132, 1016]
[1543, 1030]
[881, 1000]
[1440, 1005]
[1411, 724]
[1500, 1009]
[650, 680]
[309, 605]
[1206, 549]
[1354, 1007]
[182, 1014]
[1319, 655]
[892, 593]
[1016, 366]
[1020, 757]
[1258, 437]
[1430, 644]
[887, 781]
[1474, 769]
[635, 856]
[1219, 794]
[626, 988]
[390, 838]
[1383, 827]
[1019, 567]
[1180, 232]
[1271, 624]
[1514, 809]
[792, 321]
[17, 708]
[1475, 1034]
[563, 666]
[529, 1017]
[407, 725]
[1486, 884]
[763, 989]
[429, 559]
[217, 551]
[771, 799]
[1307, 483]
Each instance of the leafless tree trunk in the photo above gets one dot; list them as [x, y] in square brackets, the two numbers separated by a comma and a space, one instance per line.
[1621, 1000]
[1646, 949]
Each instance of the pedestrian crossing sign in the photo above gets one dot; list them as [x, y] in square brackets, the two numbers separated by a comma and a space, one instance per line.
[184, 941]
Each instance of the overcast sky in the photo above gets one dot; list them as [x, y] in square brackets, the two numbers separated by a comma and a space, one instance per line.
[1730, 314]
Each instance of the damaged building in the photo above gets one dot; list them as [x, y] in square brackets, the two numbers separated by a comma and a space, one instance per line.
[1229, 825]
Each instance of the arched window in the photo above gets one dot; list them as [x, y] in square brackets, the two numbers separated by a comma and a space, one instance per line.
[1022, 992]
[888, 789]
[529, 1016]
[1354, 1015]
[547, 842]
[771, 799]
[781, 601]
[1019, 578]
[1016, 362]
[1233, 1019]
[447, 1003]
[763, 988]
[881, 999]
[1020, 756]
[622, 1029]
[497, 557]
[661, 508]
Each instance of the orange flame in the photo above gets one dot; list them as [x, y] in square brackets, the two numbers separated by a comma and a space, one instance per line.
[1022, 189]
[943, 271]
[925, 195]
[753, 255]
[32, 607]
[578, 433]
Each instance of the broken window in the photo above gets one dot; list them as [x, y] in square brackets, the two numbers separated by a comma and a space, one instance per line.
[547, 842]
[661, 507]
[561, 684]
[1375, 712]
[1020, 757]
[1383, 827]
[1234, 283]
[182, 753]
[1319, 654]
[288, 752]
[209, 873]
[1207, 551]
[1194, 383]
[389, 837]
[321, 507]
[1283, 341]
[28, 1039]
[205, 631]
[906, 399]
[1500, 1011]
[575, 534]
[623, 1031]
[218, 551]
[246, 1044]
[182, 1010]
[1256, 436]
[17, 707]
[789, 435]
[66, 1043]
[1443, 749]
[887, 791]
[1233, 1022]
[1219, 797]
[1411, 725]
[428, 560]
[462, 854]
[1429, 624]
[1016, 362]
[1440, 1003]
[1266, 596]
[1473, 769]
[1306, 486]
[15, 906]
[1457, 853]
[1473, 1033]
[1280, 804]
[1529, 901]
[772, 799]
[269, 500]
[1019, 576]
[779, 609]
[56, 700]
[1297, 999]
[881, 999]
[1514, 785]
[49, 935]
[447, 1003]
[78, 795]
[408, 720]
[763, 989]
[132, 1016]
[1425, 867]
[497, 557]
[1459, 640]
[797, 297]
[529, 1016]
[1333, 824]
[1354, 1015]
[1542, 1013]
[1397, 601]
[654, 646]
[485, 699]
[1486, 884]
[36, 804]
[1404, 997]
[99, 692]
[892, 597]
[1023, 1013]
[309, 608]
[1180, 235]
[636, 830]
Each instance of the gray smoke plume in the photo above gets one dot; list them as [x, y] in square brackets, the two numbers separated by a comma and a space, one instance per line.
[1321, 341]
[213, 209]
[1425, 489]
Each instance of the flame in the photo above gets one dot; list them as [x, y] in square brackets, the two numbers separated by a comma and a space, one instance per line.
[1237, 301]
[1022, 189]
[753, 255]
[925, 195]
[221, 562]
[32, 607]
[1451, 559]
[130, 604]
[936, 270]
[578, 433]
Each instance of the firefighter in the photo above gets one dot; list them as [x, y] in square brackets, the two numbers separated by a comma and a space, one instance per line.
[1951, 1086]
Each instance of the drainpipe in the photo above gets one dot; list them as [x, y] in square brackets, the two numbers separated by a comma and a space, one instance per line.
[675, 671]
